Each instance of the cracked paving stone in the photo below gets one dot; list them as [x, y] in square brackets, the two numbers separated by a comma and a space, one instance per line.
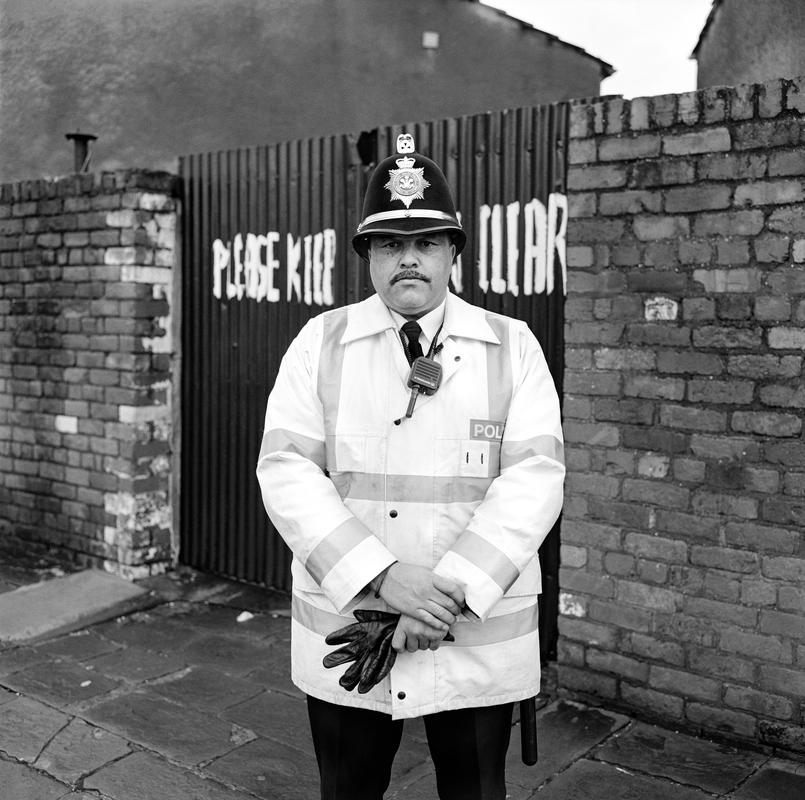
[270, 770]
[62, 683]
[80, 749]
[574, 730]
[275, 715]
[143, 776]
[714, 767]
[181, 733]
[595, 779]
[26, 726]
[19, 782]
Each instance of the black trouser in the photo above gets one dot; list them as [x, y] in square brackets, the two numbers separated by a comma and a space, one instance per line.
[355, 749]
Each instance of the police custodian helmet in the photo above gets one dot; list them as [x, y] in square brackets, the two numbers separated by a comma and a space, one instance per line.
[407, 194]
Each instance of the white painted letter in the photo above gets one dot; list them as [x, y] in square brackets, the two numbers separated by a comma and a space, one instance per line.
[556, 238]
[484, 212]
[220, 263]
[329, 265]
[498, 284]
[512, 252]
[534, 264]
[294, 257]
[271, 266]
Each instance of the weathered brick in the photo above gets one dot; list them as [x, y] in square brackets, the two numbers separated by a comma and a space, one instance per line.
[648, 597]
[725, 559]
[762, 193]
[789, 682]
[628, 148]
[732, 166]
[623, 359]
[713, 391]
[770, 134]
[772, 308]
[706, 141]
[766, 423]
[764, 366]
[782, 338]
[658, 704]
[647, 228]
[726, 337]
[708, 662]
[615, 513]
[657, 281]
[716, 504]
[784, 512]
[720, 719]
[596, 176]
[652, 387]
[732, 251]
[787, 162]
[702, 197]
[684, 683]
[677, 416]
[595, 230]
[757, 702]
[590, 534]
[783, 396]
[656, 492]
[656, 547]
[630, 201]
[714, 104]
[606, 661]
[729, 223]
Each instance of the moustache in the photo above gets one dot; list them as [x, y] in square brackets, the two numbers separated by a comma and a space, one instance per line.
[409, 274]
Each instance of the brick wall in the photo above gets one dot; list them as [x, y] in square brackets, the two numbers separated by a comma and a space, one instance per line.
[683, 551]
[86, 349]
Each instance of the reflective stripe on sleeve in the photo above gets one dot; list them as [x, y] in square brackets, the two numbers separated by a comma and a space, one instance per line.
[512, 453]
[487, 558]
[467, 634]
[281, 440]
[499, 370]
[333, 547]
[410, 488]
[331, 365]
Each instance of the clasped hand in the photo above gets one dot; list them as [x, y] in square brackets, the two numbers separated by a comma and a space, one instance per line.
[428, 604]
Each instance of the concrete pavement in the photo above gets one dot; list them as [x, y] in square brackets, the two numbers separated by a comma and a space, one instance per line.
[191, 700]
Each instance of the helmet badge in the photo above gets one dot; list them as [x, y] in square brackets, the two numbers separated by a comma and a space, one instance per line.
[407, 183]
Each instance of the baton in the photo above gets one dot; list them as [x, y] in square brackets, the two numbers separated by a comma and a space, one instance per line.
[528, 731]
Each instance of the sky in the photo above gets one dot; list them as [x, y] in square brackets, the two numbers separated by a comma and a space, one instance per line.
[648, 42]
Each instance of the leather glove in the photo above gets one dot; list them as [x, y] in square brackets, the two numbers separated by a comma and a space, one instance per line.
[367, 643]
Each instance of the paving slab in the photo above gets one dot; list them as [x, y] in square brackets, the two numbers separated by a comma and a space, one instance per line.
[78, 750]
[26, 726]
[150, 631]
[697, 762]
[775, 780]
[144, 776]
[135, 664]
[565, 732]
[36, 611]
[61, 683]
[82, 645]
[206, 689]
[19, 782]
[231, 655]
[271, 770]
[178, 732]
[275, 716]
[593, 779]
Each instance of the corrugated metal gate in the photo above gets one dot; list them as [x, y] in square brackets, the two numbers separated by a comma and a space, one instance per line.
[266, 246]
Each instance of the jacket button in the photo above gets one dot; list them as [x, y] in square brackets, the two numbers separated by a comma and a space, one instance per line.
[397, 421]
[401, 695]
[392, 513]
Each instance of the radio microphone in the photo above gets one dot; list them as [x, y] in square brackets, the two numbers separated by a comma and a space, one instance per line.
[425, 377]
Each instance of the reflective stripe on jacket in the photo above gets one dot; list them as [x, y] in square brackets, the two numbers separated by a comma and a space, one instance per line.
[470, 485]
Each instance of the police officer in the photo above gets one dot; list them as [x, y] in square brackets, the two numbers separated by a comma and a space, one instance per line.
[412, 461]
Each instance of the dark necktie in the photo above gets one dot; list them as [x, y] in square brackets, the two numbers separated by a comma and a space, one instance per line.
[412, 347]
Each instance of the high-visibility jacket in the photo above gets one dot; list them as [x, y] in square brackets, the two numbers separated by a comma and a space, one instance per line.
[469, 486]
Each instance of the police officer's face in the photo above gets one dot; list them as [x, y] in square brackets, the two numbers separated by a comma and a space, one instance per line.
[411, 272]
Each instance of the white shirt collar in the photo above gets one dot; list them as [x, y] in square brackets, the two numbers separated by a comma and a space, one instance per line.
[430, 323]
